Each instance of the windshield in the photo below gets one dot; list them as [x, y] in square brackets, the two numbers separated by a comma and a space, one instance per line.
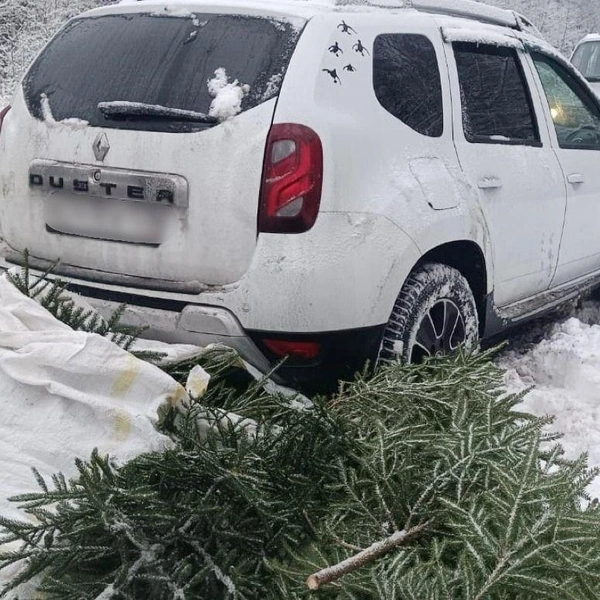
[217, 65]
[587, 59]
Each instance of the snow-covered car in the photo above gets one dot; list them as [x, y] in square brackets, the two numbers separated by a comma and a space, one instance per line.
[586, 57]
[335, 183]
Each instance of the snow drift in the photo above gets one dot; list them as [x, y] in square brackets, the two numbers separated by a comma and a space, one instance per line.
[564, 368]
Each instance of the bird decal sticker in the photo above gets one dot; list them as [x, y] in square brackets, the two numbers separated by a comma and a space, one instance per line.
[335, 49]
[333, 74]
[345, 28]
[358, 47]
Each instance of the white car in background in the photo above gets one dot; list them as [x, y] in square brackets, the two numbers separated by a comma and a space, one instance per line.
[586, 57]
[335, 182]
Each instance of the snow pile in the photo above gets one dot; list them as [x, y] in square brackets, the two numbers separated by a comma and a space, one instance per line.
[67, 392]
[227, 95]
[565, 370]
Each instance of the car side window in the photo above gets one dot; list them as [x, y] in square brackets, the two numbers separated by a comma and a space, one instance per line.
[575, 113]
[496, 103]
[407, 83]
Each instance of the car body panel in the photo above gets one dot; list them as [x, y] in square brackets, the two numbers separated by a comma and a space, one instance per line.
[521, 192]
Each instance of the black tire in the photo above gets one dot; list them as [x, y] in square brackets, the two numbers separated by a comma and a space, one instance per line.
[435, 313]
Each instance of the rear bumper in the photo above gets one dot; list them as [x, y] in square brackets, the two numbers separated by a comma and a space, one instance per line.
[178, 322]
[342, 354]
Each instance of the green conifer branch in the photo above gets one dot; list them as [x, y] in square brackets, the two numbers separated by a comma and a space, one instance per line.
[233, 513]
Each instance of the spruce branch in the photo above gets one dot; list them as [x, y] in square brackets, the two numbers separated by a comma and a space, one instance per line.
[52, 293]
[226, 507]
[364, 557]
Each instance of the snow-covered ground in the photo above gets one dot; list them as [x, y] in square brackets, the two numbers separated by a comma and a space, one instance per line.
[561, 358]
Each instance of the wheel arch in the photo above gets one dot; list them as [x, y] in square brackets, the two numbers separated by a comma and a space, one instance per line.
[468, 258]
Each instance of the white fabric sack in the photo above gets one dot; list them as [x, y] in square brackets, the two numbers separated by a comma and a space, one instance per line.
[64, 393]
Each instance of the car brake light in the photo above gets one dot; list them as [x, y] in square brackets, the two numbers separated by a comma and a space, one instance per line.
[3, 114]
[292, 180]
[294, 349]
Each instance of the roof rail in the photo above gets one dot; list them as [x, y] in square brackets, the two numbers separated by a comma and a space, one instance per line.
[470, 9]
[467, 8]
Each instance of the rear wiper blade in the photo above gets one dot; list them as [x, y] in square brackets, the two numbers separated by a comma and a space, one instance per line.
[123, 110]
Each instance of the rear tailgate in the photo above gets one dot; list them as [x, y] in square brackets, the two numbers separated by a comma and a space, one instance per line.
[140, 189]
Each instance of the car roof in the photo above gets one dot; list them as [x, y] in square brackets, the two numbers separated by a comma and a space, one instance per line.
[469, 9]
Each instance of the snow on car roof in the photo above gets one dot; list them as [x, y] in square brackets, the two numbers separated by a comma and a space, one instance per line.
[480, 34]
[469, 9]
[306, 8]
[185, 8]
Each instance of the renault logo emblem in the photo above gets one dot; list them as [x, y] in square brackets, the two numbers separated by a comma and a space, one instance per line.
[101, 146]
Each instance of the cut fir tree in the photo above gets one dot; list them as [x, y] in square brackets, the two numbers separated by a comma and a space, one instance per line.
[257, 505]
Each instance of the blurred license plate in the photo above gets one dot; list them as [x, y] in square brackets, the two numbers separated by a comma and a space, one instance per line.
[106, 219]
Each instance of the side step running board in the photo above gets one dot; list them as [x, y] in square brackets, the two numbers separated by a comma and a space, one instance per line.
[524, 309]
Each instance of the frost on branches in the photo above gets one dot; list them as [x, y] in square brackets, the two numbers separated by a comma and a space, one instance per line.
[25, 26]
[418, 482]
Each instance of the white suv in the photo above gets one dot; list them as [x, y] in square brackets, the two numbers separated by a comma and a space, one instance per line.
[336, 183]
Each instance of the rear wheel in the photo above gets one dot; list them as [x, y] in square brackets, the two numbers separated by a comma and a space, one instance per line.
[434, 314]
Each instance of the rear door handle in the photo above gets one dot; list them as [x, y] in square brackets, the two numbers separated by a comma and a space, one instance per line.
[576, 178]
[489, 183]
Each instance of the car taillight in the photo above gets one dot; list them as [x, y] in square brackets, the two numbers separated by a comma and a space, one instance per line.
[303, 350]
[3, 114]
[292, 180]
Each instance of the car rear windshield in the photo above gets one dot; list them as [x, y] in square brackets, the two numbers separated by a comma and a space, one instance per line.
[146, 60]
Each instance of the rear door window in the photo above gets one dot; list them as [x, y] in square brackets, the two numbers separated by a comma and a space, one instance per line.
[496, 103]
[406, 80]
[158, 61]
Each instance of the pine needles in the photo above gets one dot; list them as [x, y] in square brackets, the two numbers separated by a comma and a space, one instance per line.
[52, 294]
[252, 505]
